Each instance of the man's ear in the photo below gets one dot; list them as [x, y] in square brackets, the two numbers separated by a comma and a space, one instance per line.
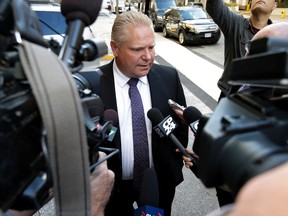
[114, 48]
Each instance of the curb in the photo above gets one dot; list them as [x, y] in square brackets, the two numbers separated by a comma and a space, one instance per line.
[107, 57]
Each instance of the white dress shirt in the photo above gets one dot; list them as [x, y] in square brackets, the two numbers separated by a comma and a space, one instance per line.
[125, 118]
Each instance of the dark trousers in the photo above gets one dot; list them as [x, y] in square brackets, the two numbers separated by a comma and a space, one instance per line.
[224, 197]
[123, 197]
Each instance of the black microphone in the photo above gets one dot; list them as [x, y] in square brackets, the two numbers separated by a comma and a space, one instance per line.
[149, 195]
[192, 115]
[111, 116]
[196, 121]
[165, 127]
[92, 49]
[78, 14]
[111, 120]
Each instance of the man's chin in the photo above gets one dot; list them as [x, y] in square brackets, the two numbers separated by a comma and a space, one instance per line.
[260, 8]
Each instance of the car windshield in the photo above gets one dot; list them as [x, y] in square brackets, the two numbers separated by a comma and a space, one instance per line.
[52, 22]
[164, 5]
[194, 14]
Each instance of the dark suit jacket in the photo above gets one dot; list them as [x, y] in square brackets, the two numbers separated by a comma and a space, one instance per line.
[164, 84]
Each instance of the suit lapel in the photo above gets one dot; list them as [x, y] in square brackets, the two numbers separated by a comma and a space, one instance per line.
[107, 88]
[154, 81]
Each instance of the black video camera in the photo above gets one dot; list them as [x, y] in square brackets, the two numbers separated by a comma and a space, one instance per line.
[247, 133]
[25, 174]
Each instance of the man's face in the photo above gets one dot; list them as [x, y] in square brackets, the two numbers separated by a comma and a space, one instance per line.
[263, 6]
[135, 56]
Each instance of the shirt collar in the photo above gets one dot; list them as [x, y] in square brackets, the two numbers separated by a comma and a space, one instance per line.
[248, 24]
[122, 79]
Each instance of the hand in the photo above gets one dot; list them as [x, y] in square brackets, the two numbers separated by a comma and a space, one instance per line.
[265, 194]
[187, 160]
[102, 181]
[179, 113]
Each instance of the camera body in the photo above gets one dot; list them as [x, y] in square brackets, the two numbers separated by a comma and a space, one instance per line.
[25, 173]
[247, 133]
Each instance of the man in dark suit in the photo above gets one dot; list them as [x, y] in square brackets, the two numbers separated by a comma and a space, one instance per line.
[132, 43]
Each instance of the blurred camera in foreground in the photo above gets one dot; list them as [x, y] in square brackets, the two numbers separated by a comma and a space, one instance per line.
[247, 133]
[25, 168]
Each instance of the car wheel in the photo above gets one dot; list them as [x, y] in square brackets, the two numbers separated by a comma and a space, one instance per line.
[214, 42]
[165, 34]
[181, 38]
[155, 28]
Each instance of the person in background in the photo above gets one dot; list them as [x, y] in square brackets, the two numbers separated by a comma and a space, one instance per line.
[238, 31]
[275, 30]
[133, 69]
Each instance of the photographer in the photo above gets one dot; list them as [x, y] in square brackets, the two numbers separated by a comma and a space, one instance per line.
[257, 192]
[238, 30]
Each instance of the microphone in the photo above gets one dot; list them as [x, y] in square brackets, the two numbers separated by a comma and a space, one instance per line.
[149, 195]
[78, 14]
[164, 128]
[192, 115]
[108, 131]
[92, 49]
[111, 116]
[196, 122]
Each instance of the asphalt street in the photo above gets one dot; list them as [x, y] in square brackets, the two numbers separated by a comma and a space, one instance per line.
[192, 197]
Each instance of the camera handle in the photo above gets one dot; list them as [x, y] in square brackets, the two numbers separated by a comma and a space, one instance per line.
[50, 80]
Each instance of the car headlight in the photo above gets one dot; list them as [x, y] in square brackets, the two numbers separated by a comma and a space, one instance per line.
[191, 28]
[159, 18]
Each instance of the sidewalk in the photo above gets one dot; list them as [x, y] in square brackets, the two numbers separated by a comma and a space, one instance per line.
[275, 16]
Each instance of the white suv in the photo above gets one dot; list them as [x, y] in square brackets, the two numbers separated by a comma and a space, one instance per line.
[53, 24]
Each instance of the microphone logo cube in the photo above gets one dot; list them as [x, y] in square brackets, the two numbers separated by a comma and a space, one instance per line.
[168, 125]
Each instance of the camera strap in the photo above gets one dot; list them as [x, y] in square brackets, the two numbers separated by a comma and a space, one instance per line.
[60, 108]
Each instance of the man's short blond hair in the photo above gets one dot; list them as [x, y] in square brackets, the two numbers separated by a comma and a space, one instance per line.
[126, 20]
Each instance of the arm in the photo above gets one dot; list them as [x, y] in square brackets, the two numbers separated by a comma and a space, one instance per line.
[222, 15]
[102, 180]
[265, 194]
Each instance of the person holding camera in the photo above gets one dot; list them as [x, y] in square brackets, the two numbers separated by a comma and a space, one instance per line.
[238, 31]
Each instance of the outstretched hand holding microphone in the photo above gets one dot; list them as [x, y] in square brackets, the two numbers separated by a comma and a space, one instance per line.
[164, 127]
[191, 116]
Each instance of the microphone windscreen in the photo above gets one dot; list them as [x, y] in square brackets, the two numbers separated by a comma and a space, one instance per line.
[191, 114]
[111, 115]
[84, 10]
[149, 191]
[155, 116]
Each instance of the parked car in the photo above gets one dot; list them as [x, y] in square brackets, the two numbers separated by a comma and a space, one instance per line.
[156, 10]
[53, 25]
[190, 25]
[52, 22]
